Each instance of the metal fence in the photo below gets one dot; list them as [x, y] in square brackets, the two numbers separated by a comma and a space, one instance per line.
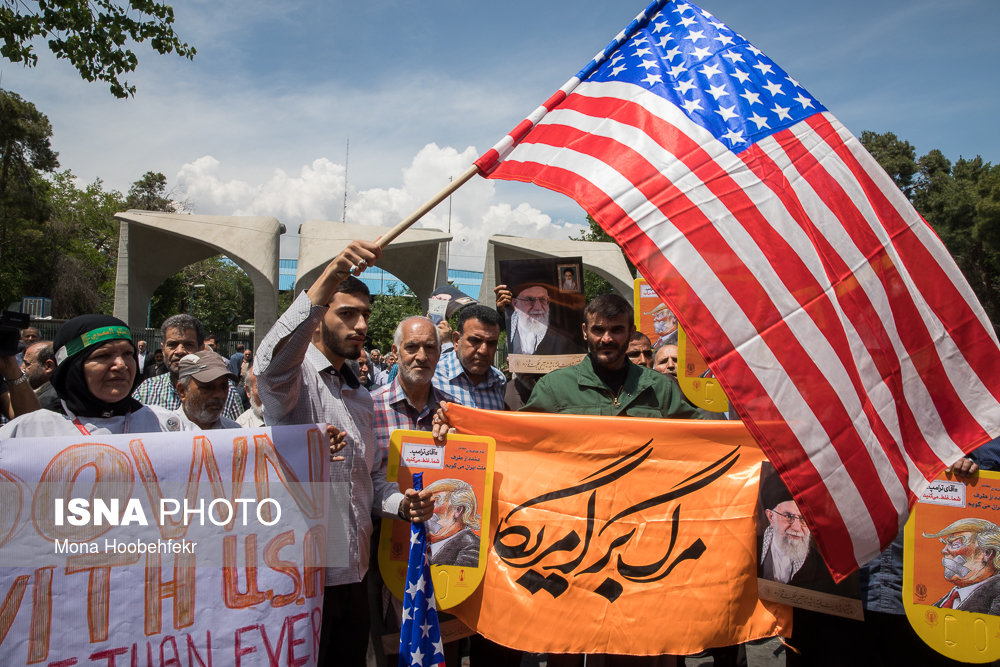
[227, 342]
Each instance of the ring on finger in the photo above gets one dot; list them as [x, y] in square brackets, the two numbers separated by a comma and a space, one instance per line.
[354, 268]
[363, 263]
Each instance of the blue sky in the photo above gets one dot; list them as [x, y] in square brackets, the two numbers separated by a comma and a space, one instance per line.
[258, 122]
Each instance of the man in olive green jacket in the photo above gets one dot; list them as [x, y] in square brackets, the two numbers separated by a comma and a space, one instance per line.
[606, 382]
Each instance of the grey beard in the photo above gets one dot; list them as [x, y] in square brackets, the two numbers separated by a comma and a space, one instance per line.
[530, 330]
[203, 415]
[797, 550]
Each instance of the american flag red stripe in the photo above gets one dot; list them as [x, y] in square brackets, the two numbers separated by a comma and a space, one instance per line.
[841, 329]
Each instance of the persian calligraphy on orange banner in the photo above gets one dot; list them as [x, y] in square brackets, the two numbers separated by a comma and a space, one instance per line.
[618, 535]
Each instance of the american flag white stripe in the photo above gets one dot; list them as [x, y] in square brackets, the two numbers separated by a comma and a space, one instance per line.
[818, 347]
[840, 327]
[972, 392]
[932, 335]
[938, 258]
[632, 140]
[713, 209]
[937, 255]
[918, 400]
[691, 267]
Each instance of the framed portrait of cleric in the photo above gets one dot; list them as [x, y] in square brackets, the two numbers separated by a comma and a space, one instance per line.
[459, 476]
[951, 566]
[789, 567]
[569, 278]
[545, 318]
[445, 301]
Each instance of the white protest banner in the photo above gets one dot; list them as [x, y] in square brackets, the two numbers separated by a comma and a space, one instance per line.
[185, 549]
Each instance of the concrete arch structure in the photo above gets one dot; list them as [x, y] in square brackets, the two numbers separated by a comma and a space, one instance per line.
[603, 258]
[417, 257]
[153, 246]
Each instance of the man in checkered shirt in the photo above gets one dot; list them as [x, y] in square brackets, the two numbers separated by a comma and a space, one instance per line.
[410, 400]
[466, 372]
[182, 335]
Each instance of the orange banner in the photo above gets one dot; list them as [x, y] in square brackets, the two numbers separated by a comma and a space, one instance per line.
[617, 535]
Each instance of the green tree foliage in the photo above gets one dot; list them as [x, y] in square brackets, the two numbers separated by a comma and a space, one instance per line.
[897, 157]
[94, 35]
[84, 247]
[961, 201]
[387, 312]
[593, 284]
[25, 156]
[149, 193]
[225, 301]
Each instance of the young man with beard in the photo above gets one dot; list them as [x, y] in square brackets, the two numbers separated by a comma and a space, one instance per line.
[302, 378]
[606, 382]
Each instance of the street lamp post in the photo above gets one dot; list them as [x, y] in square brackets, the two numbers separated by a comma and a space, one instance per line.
[191, 298]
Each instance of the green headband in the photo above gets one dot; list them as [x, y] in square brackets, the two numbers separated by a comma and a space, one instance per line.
[82, 342]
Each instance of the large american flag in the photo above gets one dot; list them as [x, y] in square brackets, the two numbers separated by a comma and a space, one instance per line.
[841, 329]
[420, 640]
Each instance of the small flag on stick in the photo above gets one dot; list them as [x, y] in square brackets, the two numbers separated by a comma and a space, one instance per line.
[420, 637]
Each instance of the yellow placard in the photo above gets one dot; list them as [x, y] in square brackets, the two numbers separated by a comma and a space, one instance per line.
[695, 378]
[460, 476]
[951, 578]
[654, 318]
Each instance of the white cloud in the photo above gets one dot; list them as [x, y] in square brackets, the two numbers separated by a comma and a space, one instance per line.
[317, 192]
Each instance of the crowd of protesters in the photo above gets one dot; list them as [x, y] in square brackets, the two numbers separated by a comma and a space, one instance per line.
[313, 367]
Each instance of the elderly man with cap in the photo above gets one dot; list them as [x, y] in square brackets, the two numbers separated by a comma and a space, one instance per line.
[203, 386]
[96, 374]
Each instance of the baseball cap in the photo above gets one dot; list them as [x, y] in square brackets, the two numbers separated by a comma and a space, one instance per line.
[204, 366]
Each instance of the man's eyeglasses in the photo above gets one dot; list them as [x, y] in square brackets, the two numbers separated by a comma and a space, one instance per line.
[790, 518]
[541, 300]
[634, 354]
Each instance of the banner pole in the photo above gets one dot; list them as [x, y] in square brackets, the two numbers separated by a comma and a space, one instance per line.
[403, 225]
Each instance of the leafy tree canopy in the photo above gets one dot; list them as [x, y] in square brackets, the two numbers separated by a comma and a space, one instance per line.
[593, 284]
[961, 201]
[388, 310]
[26, 156]
[93, 35]
[215, 290]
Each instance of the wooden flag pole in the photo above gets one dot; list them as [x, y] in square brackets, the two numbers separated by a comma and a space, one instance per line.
[403, 225]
